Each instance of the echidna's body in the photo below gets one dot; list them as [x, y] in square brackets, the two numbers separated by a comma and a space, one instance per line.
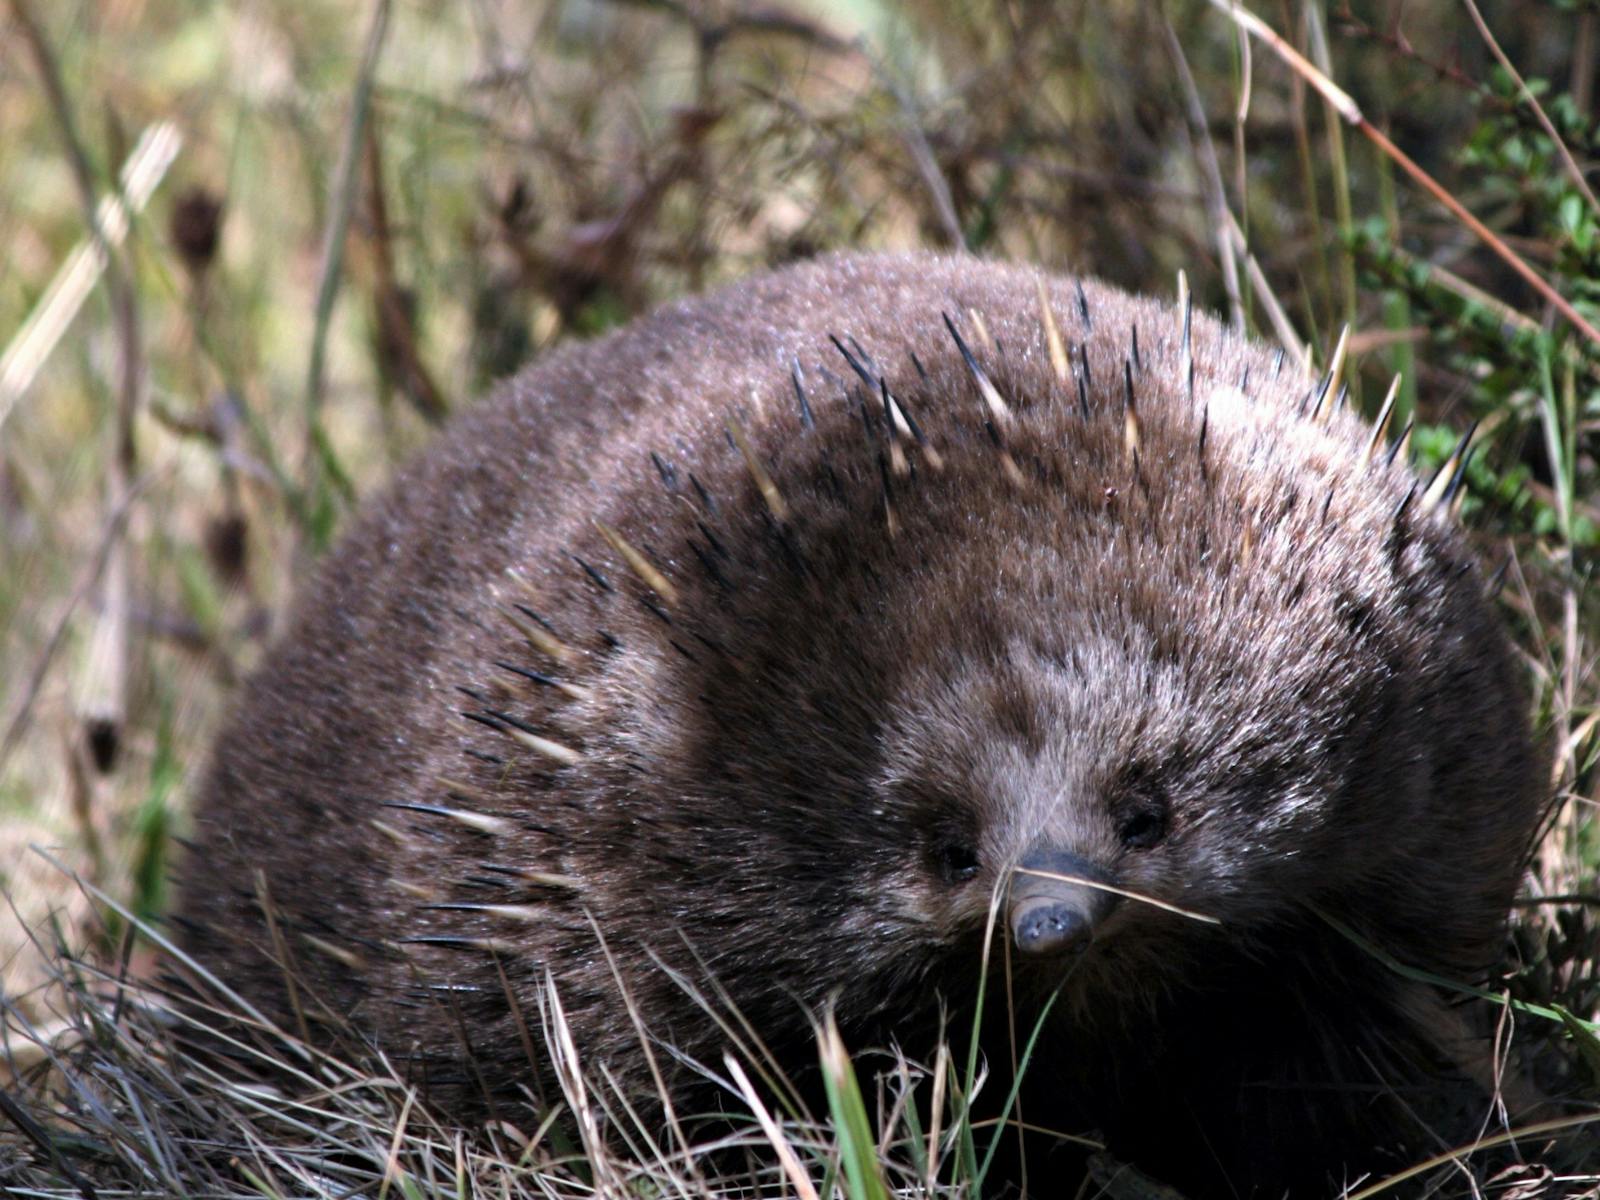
[766, 657]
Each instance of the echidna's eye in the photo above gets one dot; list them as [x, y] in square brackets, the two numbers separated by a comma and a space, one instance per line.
[958, 862]
[1143, 828]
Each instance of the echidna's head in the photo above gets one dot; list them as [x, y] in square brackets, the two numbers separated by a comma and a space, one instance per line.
[1116, 807]
[1027, 794]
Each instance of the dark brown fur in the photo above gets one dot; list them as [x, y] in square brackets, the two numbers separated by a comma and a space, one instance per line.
[1232, 629]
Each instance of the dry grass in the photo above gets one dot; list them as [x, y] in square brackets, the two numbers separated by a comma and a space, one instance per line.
[377, 209]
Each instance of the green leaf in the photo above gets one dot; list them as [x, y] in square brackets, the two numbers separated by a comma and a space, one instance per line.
[1586, 1036]
[863, 1173]
[1569, 213]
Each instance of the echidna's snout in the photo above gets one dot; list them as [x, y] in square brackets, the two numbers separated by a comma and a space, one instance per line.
[1054, 907]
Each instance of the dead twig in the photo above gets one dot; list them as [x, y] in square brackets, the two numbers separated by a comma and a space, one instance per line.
[332, 269]
[1348, 109]
[1211, 176]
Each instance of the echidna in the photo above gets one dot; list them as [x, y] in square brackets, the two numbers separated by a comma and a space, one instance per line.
[743, 658]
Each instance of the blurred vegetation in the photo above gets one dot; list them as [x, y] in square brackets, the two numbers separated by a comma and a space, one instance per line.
[377, 210]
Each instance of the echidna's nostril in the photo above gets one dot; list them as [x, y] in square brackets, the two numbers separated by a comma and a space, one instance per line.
[1057, 900]
[1048, 926]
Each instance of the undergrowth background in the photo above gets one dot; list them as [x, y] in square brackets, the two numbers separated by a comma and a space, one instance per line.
[360, 215]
